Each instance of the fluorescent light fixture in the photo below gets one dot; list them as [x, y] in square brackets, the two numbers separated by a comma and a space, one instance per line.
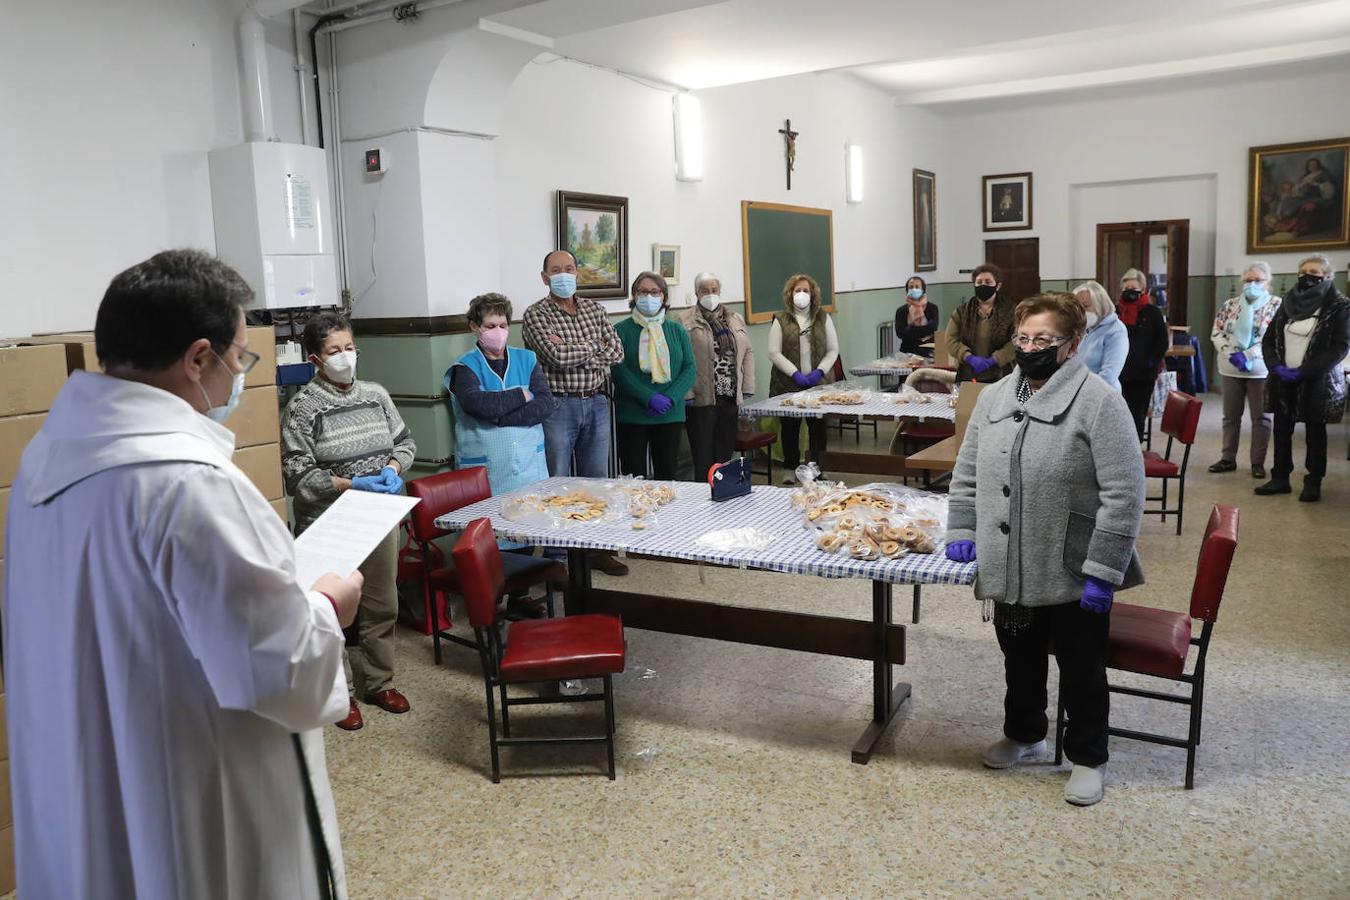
[853, 173]
[688, 138]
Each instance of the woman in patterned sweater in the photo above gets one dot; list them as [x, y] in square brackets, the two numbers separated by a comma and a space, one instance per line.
[341, 434]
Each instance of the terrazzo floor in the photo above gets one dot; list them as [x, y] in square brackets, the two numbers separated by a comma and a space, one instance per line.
[734, 771]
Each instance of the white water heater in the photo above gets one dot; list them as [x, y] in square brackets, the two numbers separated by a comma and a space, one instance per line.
[274, 222]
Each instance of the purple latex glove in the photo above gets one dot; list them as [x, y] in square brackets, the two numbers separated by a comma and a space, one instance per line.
[1097, 595]
[816, 377]
[1239, 361]
[961, 551]
[659, 405]
[979, 363]
[1288, 375]
[801, 380]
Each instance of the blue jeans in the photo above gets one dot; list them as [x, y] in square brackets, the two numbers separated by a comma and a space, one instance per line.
[580, 427]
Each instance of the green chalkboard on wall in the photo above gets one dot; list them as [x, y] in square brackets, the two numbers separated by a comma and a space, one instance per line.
[779, 241]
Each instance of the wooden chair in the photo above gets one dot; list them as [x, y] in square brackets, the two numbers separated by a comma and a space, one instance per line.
[1156, 642]
[536, 650]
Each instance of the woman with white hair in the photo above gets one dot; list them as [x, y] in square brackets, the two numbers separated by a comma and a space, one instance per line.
[724, 374]
[1105, 343]
[1304, 346]
[1146, 330]
[1238, 330]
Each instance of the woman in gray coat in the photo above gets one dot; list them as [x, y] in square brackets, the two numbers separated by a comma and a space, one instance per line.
[1049, 485]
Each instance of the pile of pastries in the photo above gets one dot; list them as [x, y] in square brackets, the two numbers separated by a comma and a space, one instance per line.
[868, 524]
[828, 397]
[901, 361]
[644, 498]
[874, 540]
[572, 506]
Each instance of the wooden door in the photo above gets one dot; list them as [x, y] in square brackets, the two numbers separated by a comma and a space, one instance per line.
[1020, 260]
[1122, 246]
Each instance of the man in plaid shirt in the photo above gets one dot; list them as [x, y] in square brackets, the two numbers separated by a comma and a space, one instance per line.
[576, 347]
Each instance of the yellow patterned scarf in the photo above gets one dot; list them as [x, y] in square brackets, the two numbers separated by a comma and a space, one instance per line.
[657, 363]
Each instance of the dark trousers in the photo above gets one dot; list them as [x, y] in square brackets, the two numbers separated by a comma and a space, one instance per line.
[1137, 395]
[789, 431]
[1315, 459]
[1080, 639]
[662, 440]
[712, 433]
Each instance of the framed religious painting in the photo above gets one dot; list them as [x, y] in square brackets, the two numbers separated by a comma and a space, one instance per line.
[1006, 201]
[1296, 197]
[925, 221]
[595, 228]
[666, 262]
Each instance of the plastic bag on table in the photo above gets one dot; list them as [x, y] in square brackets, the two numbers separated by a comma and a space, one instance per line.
[813, 488]
[878, 520]
[568, 505]
[840, 393]
[730, 540]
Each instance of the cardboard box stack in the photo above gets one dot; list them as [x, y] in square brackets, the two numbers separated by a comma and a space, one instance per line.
[30, 378]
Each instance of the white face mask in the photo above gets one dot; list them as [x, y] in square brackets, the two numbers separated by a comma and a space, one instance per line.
[341, 367]
[219, 414]
[1092, 320]
[709, 301]
[801, 299]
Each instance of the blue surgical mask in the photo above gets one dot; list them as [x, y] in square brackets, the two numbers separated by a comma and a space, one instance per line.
[563, 284]
[914, 293]
[1254, 290]
[219, 414]
[649, 304]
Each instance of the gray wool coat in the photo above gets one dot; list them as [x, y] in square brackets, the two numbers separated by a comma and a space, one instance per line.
[1049, 493]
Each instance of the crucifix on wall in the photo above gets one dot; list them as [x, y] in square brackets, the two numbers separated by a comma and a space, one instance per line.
[790, 140]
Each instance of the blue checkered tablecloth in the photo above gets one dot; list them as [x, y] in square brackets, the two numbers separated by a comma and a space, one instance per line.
[692, 514]
[883, 405]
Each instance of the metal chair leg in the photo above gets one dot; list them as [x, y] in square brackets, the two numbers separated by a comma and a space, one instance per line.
[1059, 726]
[915, 617]
[1162, 510]
[1181, 501]
[768, 452]
[506, 714]
[609, 722]
[492, 737]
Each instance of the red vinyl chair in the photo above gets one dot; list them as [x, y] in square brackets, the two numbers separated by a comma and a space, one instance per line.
[445, 493]
[1155, 642]
[536, 650]
[1181, 417]
[750, 441]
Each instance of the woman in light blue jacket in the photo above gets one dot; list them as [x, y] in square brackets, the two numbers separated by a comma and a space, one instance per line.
[1106, 343]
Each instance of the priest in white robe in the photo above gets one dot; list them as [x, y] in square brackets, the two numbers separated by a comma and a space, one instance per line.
[165, 672]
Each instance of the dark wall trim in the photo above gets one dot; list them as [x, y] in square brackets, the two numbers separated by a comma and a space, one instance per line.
[422, 325]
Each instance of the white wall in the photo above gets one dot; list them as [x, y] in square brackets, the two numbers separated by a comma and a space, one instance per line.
[568, 126]
[1142, 153]
[108, 112]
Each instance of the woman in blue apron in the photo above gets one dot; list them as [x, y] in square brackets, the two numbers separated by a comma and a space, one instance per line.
[499, 396]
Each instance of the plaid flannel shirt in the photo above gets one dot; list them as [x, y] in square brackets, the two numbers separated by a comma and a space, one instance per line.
[590, 346]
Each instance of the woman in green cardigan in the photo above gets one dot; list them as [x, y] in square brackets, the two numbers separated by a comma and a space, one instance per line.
[651, 383]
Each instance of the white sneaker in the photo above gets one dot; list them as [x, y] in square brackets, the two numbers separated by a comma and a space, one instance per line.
[1085, 785]
[1006, 753]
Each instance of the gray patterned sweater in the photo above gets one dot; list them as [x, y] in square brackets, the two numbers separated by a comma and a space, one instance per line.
[328, 431]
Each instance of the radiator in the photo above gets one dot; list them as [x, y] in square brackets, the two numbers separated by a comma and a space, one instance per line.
[886, 346]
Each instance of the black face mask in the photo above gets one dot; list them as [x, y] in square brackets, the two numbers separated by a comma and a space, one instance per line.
[1308, 280]
[1038, 365]
[985, 291]
[1131, 296]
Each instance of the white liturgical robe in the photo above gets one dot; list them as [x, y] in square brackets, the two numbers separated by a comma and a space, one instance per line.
[160, 661]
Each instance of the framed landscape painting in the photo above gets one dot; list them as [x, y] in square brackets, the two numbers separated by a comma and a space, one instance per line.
[595, 228]
[925, 221]
[1296, 197]
[1006, 201]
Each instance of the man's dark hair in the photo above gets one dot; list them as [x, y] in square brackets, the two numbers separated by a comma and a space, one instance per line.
[320, 327]
[152, 312]
[544, 268]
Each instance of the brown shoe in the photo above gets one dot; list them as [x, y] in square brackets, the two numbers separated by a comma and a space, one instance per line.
[353, 722]
[606, 562]
[390, 701]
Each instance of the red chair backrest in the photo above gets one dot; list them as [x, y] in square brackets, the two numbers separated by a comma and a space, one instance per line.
[445, 493]
[1216, 558]
[478, 566]
[1181, 416]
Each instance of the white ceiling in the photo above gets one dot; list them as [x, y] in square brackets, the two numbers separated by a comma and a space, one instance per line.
[934, 52]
